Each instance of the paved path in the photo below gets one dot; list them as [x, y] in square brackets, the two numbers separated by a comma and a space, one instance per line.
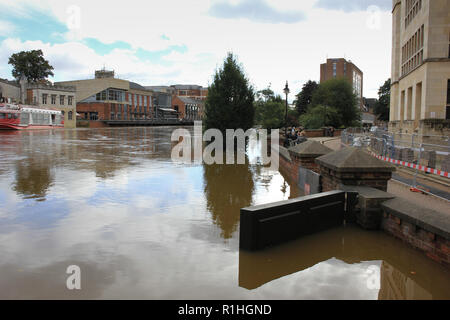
[400, 185]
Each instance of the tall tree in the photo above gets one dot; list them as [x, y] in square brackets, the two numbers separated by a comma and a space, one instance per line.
[338, 94]
[384, 100]
[229, 104]
[304, 97]
[31, 64]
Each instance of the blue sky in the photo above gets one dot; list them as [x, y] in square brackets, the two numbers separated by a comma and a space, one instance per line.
[163, 43]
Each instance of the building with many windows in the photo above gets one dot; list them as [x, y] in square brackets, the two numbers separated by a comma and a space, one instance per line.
[341, 68]
[106, 98]
[420, 85]
[54, 97]
[42, 95]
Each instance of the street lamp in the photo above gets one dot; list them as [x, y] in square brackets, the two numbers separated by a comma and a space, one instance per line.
[286, 92]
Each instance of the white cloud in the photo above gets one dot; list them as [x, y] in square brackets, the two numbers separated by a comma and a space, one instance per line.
[6, 27]
[270, 53]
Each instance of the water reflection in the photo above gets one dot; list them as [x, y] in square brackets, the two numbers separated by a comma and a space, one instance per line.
[33, 177]
[228, 188]
[143, 227]
[398, 277]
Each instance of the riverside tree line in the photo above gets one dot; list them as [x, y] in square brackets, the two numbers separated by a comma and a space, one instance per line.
[233, 103]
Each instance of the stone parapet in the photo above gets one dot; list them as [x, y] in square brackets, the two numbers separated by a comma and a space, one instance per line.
[353, 166]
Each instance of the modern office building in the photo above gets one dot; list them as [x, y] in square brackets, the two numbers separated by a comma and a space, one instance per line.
[341, 68]
[420, 90]
[106, 98]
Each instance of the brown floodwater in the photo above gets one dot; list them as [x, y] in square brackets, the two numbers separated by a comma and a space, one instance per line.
[140, 226]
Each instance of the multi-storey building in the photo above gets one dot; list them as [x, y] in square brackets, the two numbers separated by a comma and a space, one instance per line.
[107, 98]
[420, 90]
[54, 97]
[341, 68]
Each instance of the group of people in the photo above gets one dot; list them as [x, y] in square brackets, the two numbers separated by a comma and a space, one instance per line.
[296, 135]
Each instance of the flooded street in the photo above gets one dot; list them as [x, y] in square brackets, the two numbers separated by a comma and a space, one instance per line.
[140, 226]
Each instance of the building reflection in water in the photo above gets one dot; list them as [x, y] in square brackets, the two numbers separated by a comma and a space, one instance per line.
[103, 151]
[350, 244]
[396, 285]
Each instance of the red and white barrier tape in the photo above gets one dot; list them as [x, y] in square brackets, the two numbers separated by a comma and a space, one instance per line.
[413, 166]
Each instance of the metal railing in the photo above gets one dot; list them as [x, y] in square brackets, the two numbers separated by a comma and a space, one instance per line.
[427, 153]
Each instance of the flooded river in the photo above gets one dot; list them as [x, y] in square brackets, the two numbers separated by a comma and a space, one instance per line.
[140, 226]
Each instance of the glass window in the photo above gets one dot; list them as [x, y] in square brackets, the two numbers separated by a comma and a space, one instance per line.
[53, 98]
[70, 100]
[2, 116]
[44, 98]
[61, 100]
[70, 115]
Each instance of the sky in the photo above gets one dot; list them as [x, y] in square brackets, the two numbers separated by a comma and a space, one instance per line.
[184, 42]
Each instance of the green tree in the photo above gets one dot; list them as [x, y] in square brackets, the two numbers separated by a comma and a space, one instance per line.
[320, 116]
[304, 97]
[31, 64]
[338, 94]
[293, 118]
[272, 114]
[230, 99]
[381, 108]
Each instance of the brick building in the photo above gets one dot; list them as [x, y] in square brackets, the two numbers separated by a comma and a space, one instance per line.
[190, 91]
[188, 108]
[341, 68]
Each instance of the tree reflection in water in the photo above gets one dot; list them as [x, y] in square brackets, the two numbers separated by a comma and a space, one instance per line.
[228, 188]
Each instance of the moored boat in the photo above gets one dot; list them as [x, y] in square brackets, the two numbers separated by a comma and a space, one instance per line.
[22, 117]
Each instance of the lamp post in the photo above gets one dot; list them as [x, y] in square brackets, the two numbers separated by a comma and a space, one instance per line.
[286, 91]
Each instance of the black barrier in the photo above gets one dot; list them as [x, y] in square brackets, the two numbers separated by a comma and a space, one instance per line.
[275, 223]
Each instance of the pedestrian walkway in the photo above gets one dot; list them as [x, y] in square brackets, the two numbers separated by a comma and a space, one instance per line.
[399, 184]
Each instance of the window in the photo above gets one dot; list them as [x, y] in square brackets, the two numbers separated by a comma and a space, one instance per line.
[412, 52]
[334, 69]
[2, 116]
[412, 8]
[70, 115]
[63, 113]
[69, 100]
[448, 92]
[93, 115]
[61, 100]
[44, 98]
[53, 98]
